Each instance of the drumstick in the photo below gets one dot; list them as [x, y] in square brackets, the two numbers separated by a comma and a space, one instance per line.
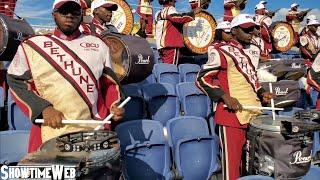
[272, 103]
[64, 121]
[258, 107]
[111, 115]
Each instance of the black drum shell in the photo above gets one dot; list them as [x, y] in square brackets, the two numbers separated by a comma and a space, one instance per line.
[12, 32]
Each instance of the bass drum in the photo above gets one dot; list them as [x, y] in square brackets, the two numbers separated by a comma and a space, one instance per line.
[282, 36]
[132, 57]
[199, 34]
[12, 32]
[122, 18]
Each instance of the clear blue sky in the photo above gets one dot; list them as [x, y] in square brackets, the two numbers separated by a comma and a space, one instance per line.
[39, 11]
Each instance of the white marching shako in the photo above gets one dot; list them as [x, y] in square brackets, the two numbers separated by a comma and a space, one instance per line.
[283, 36]
[199, 33]
[122, 18]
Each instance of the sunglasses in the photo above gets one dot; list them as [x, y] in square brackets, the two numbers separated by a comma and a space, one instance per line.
[63, 11]
[248, 30]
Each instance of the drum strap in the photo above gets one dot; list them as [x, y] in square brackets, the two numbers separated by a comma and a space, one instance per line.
[80, 76]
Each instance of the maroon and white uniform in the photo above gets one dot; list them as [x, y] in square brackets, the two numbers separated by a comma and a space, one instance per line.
[265, 23]
[71, 73]
[313, 78]
[168, 33]
[145, 11]
[231, 70]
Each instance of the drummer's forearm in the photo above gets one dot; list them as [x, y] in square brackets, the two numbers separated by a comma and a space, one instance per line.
[29, 102]
[180, 19]
[260, 92]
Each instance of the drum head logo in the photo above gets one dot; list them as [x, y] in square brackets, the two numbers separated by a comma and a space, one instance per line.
[122, 18]
[199, 33]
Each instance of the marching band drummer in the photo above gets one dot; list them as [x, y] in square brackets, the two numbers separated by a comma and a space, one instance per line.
[232, 8]
[64, 75]
[230, 79]
[145, 12]
[168, 30]
[222, 34]
[294, 17]
[313, 78]
[310, 40]
[264, 21]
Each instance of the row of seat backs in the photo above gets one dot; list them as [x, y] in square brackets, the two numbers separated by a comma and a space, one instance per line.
[162, 101]
[146, 150]
[170, 73]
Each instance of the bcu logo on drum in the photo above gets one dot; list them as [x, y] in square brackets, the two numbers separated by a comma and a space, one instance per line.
[38, 172]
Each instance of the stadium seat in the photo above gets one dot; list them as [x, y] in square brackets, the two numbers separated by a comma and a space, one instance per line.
[316, 143]
[188, 72]
[13, 145]
[156, 53]
[313, 173]
[195, 151]
[166, 73]
[314, 95]
[289, 111]
[135, 109]
[256, 177]
[162, 101]
[193, 101]
[145, 152]
[17, 120]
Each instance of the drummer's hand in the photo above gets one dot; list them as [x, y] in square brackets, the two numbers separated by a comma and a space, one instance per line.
[117, 112]
[267, 96]
[52, 117]
[232, 103]
[197, 10]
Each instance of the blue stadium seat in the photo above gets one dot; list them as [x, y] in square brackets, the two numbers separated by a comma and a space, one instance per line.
[255, 177]
[155, 53]
[195, 151]
[162, 101]
[313, 173]
[1, 97]
[13, 145]
[289, 111]
[145, 152]
[166, 73]
[188, 72]
[316, 143]
[314, 97]
[135, 109]
[17, 120]
[193, 101]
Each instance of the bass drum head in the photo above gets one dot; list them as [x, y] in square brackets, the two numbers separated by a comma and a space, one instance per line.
[199, 34]
[283, 36]
[122, 18]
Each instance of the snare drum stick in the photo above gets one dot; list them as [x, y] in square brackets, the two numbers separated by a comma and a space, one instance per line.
[76, 121]
[261, 108]
[111, 115]
[272, 103]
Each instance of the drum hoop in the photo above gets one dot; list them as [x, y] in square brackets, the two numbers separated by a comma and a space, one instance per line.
[127, 71]
[291, 43]
[275, 128]
[187, 42]
[129, 16]
[6, 35]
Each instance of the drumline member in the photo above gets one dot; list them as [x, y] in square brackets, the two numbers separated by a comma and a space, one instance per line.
[229, 78]
[294, 17]
[64, 75]
[264, 21]
[313, 78]
[232, 8]
[168, 30]
[310, 40]
[145, 12]
[309, 17]
[222, 34]
[102, 14]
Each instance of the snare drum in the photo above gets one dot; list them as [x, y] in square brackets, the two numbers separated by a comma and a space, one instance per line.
[199, 34]
[122, 18]
[132, 57]
[92, 152]
[268, 152]
[12, 32]
[282, 36]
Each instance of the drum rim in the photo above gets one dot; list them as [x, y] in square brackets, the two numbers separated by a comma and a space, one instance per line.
[6, 35]
[126, 30]
[187, 42]
[272, 27]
